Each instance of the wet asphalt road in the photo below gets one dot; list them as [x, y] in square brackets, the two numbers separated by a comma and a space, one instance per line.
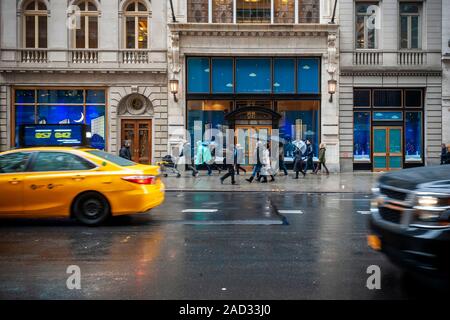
[248, 245]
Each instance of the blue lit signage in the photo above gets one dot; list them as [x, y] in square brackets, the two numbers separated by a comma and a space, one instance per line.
[53, 135]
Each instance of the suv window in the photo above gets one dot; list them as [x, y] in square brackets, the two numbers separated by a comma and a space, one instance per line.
[60, 161]
[14, 162]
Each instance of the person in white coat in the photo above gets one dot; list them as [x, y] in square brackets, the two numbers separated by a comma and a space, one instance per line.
[266, 169]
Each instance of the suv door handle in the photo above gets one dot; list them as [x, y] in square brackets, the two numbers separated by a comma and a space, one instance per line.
[14, 181]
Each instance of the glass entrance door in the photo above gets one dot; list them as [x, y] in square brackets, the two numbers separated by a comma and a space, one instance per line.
[247, 137]
[387, 148]
[138, 133]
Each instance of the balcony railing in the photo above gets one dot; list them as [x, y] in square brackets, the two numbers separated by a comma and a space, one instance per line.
[367, 57]
[84, 56]
[411, 57]
[33, 55]
[135, 56]
[390, 58]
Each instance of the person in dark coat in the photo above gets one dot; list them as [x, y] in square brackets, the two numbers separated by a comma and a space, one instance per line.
[298, 162]
[444, 154]
[322, 159]
[281, 162]
[124, 151]
[212, 147]
[229, 167]
[309, 156]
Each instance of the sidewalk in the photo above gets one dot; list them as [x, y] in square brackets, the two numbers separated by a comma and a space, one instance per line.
[360, 182]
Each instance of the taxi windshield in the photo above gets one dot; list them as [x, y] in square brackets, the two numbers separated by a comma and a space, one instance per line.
[112, 158]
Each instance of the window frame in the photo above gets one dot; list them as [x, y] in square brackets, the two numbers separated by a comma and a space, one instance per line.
[364, 165]
[388, 89]
[366, 33]
[36, 14]
[370, 136]
[422, 135]
[409, 25]
[136, 14]
[272, 94]
[86, 14]
[36, 103]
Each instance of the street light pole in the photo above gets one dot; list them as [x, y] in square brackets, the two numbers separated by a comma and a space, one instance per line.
[334, 11]
[173, 12]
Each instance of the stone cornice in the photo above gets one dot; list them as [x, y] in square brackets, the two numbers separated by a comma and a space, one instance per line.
[83, 71]
[391, 73]
[253, 30]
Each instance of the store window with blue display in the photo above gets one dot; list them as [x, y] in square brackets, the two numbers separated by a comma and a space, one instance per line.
[70, 106]
[361, 136]
[253, 75]
[210, 114]
[299, 121]
[413, 136]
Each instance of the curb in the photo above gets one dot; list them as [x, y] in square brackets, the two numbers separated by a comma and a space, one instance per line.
[268, 191]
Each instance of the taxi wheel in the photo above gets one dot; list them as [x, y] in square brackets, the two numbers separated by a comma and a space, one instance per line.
[91, 208]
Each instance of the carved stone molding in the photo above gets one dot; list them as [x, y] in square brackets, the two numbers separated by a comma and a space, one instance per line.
[135, 104]
[174, 52]
[253, 30]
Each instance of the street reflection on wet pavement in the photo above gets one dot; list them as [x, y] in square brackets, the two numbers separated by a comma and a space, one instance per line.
[205, 245]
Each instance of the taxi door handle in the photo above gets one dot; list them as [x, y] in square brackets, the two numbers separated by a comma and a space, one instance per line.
[78, 177]
[14, 181]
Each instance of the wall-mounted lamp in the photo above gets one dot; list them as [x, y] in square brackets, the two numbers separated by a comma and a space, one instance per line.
[332, 88]
[173, 86]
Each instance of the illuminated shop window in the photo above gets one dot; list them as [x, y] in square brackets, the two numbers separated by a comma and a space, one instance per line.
[361, 136]
[69, 106]
[413, 136]
[299, 121]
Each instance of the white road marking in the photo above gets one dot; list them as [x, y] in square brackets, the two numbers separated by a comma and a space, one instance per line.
[290, 211]
[200, 210]
[348, 200]
[363, 212]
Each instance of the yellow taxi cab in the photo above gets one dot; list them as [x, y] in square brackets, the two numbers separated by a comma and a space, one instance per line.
[89, 185]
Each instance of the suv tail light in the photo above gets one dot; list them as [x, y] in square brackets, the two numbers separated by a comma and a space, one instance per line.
[141, 179]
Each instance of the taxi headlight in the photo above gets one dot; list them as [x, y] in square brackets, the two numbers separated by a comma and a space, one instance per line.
[427, 201]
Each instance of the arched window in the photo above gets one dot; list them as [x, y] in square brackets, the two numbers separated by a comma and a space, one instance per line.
[86, 34]
[35, 24]
[136, 25]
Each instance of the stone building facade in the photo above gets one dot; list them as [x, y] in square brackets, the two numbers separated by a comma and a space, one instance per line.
[445, 72]
[390, 84]
[98, 62]
[228, 57]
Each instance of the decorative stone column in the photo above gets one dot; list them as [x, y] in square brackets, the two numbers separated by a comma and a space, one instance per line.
[330, 110]
[176, 109]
